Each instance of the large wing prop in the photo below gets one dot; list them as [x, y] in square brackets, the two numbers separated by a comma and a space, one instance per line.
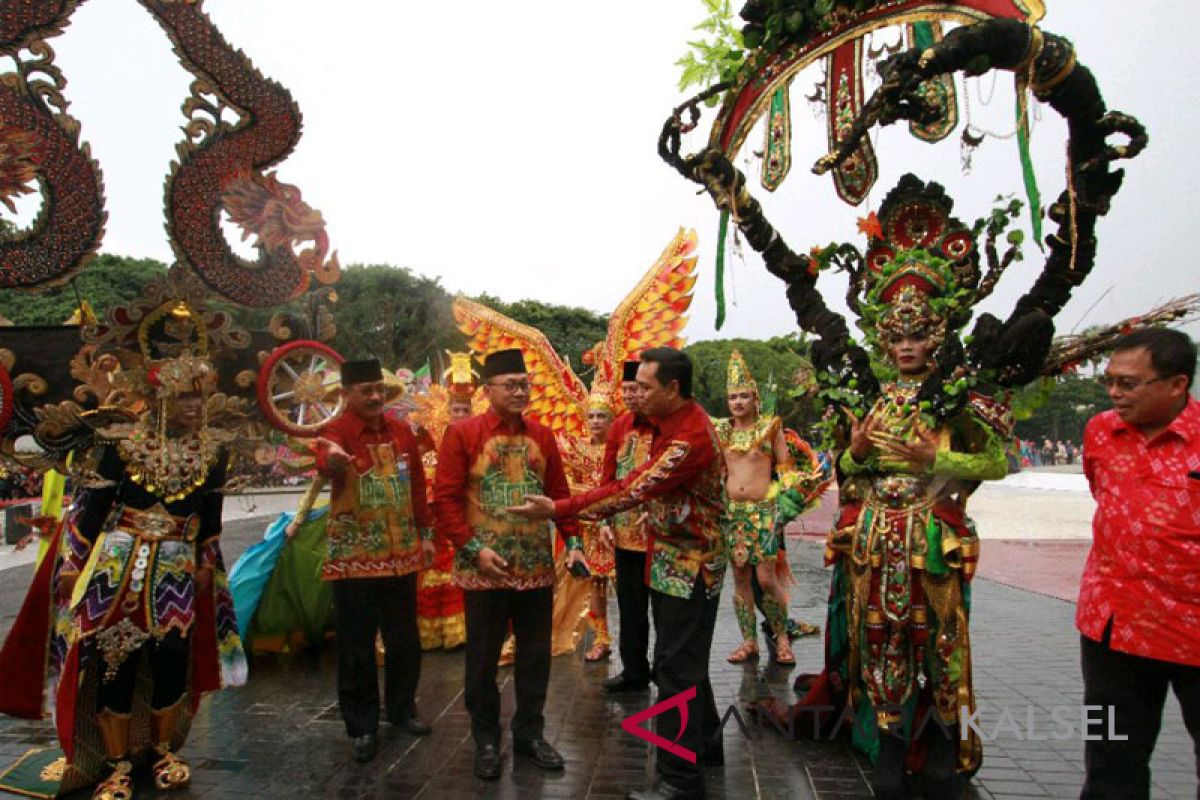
[653, 314]
[558, 395]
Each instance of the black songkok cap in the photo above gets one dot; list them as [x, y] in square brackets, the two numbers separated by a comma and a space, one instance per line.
[503, 362]
[629, 371]
[365, 371]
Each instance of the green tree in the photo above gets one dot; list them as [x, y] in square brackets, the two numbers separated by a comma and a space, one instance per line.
[391, 313]
[1059, 408]
[775, 360]
[572, 331]
[109, 280]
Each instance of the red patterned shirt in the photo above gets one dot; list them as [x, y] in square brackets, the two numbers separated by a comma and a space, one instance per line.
[1143, 571]
[485, 465]
[627, 448]
[378, 511]
[686, 476]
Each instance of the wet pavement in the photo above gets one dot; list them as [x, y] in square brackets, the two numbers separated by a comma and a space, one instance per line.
[280, 736]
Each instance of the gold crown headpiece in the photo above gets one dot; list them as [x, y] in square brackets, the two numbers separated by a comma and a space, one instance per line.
[459, 377]
[738, 374]
[600, 398]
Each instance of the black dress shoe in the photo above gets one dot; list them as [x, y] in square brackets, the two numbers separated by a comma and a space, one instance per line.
[624, 683]
[414, 725]
[487, 762]
[540, 752]
[364, 747]
[665, 791]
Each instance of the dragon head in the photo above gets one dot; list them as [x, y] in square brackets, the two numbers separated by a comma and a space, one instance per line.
[276, 214]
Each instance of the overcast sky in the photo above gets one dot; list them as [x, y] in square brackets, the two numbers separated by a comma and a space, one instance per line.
[509, 148]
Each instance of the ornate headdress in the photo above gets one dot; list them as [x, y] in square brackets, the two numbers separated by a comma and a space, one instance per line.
[921, 271]
[459, 377]
[600, 398]
[738, 374]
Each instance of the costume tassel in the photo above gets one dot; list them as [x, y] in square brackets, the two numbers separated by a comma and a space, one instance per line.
[1032, 193]
[722, 234]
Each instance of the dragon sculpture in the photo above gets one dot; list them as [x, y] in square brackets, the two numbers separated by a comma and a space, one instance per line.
[40, 145]
[652, 315]
[239, 125]
[221, 169]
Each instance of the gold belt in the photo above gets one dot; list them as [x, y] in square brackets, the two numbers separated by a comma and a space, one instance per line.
[156, 525]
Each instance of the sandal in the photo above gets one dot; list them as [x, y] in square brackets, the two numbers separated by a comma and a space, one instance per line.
[599, 652]
[803, 629]
[745, 651]
[118, 785]
[783, 652]
[171, 771]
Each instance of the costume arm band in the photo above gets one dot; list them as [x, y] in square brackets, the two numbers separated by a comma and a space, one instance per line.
[987, 465]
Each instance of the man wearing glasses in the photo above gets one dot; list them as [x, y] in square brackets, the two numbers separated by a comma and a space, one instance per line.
[504, 564]
[1139, 600]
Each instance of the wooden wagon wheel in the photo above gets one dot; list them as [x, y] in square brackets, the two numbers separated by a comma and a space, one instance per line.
[297, 387]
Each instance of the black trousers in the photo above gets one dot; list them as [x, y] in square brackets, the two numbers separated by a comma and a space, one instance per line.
[168, 664]
[633, 603]
[683, 640]
[1135, 688]
[488, 613]
[362, 607]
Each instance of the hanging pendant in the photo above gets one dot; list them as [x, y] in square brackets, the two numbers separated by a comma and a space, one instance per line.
[777, 150]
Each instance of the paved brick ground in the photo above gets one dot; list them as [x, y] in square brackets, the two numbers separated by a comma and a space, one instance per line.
[280, 736]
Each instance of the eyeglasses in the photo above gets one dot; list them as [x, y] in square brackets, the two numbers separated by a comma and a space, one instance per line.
[513, 387]
[1126, 384]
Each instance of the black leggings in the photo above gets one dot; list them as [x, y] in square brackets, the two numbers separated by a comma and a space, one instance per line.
[168, 666]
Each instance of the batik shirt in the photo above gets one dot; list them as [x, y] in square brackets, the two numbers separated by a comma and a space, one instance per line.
[686, 476]
[486, 465]
[627, 448]
[1142, 570]
[379, 513]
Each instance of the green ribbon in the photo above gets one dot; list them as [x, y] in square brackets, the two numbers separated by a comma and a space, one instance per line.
[1031, 187]
[722, 234]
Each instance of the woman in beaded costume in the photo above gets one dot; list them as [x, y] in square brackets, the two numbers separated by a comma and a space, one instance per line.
[132, 620]
[584, 459]
[905, 547]
[756, 451]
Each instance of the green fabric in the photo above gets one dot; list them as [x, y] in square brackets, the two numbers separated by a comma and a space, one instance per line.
[296, 602]
[922, 35]
[1032, 192]
[935, 562]
[851, 466]
[990, 464]
[24, 778]
[722, 234]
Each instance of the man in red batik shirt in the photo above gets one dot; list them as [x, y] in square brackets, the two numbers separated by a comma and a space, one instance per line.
[1139, 600]
[685, 477]
[504, 564]
[380, 533]
[627, 448]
